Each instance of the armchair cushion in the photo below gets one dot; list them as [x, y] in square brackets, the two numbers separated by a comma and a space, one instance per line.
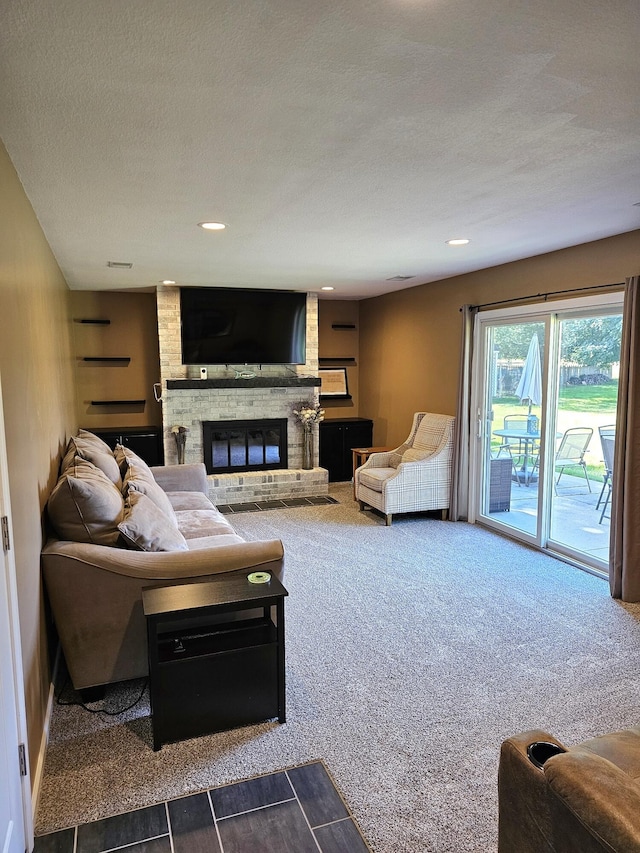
[375, 478]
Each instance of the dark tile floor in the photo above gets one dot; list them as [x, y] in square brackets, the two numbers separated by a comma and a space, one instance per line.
[254, 506]
[292, 811]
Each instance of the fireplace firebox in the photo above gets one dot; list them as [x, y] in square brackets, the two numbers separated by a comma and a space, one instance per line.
[256, 445]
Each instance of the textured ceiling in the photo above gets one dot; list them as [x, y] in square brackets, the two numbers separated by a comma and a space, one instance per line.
[342, 143]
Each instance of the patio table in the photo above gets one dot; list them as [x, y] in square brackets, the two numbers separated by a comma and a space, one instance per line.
[529, 440]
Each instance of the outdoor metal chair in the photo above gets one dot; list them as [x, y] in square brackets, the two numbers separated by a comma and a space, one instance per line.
[571, 451]
[608, 441]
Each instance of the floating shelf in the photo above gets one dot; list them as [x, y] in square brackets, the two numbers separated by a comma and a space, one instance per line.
[94, 322]
[328, 397]
[340, 358]
[117, 402]
[122, 358]
[346, 326]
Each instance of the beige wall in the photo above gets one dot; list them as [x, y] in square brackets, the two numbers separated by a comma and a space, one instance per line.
[36, 369]
[410, 340]
[338, 345]
[132, 332]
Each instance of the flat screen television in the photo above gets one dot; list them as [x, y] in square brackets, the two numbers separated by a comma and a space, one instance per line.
[234, 326]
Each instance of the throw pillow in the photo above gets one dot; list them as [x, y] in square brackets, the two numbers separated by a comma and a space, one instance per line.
[94, 450]
[136, 480]
[85, 506]
[413, 455]
[125, 457]
[396, 457]
[146, 528]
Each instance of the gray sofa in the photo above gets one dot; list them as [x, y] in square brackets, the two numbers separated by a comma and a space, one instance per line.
[119, 526]
[579, 799]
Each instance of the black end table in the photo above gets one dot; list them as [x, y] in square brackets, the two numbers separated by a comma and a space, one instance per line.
[216, 655]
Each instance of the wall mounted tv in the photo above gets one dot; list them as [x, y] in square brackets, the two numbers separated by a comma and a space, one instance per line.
[232, 326]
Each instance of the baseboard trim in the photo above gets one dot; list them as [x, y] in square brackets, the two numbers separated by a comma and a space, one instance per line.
[38, 774]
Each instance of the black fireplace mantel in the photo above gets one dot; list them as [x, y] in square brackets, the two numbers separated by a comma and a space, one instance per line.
[256, 382]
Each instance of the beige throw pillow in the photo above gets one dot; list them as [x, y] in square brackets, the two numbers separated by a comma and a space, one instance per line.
[94, 450]
[85, 506]
[146, 528]
[126, 457]
[138, 480]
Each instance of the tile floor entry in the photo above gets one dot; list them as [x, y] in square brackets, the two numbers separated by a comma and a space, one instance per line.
[254, 506]
[297, 810]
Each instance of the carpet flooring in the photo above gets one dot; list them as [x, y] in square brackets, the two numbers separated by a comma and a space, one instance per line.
[412, 652]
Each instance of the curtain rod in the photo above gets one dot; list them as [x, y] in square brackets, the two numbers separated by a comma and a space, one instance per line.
[544, 296]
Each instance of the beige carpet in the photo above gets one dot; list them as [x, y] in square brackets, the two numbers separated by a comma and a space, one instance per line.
[412, 651]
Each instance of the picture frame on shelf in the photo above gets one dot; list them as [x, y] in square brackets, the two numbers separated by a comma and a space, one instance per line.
[333, 382]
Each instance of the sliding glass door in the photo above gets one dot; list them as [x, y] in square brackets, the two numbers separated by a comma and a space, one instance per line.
[545, 394]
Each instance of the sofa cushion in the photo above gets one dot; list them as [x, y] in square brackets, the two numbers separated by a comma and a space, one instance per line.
[196, 523]
[189, 500]
[85, 506]
[206, 543]
[88, 446]
[373, 478]
[146, 528]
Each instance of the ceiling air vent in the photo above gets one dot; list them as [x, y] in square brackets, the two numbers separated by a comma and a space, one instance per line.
[119, 265]
[401, 277]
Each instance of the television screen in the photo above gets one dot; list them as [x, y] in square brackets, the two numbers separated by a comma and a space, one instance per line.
[229, 326]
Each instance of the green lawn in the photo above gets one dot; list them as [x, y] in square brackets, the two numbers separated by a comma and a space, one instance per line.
[578, 405]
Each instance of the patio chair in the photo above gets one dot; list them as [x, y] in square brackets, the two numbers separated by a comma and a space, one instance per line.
[571, 451]
[608, 441]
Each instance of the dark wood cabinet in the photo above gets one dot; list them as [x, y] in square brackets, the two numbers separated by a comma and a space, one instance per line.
[216, 655]
[337, 437]
[145, 441]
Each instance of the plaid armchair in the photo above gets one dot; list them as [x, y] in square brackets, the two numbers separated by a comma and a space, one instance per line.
[415, 476]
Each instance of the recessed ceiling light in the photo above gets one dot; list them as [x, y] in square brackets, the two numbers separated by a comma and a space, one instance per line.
[458, 241]
[120, 265]
[167, 281]
[327, 288]
[212, 226]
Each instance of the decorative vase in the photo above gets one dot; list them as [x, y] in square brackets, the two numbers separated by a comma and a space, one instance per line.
[307, 450]
[181, 441]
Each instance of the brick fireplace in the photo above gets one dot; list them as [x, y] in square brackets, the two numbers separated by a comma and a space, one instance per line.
[272, 393]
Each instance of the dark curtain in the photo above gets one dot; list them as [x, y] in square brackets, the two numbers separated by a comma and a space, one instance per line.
[624, 565]
[459, 502]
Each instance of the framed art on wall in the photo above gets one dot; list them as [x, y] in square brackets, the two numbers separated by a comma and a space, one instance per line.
[333, 382]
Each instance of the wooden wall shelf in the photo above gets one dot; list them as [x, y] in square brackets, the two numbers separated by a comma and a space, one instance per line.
[118, 402]
[109, 358]
[344, 326]
[94, 322]
[338, 359]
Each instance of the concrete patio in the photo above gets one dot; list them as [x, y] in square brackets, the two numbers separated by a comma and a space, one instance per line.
[574, 517]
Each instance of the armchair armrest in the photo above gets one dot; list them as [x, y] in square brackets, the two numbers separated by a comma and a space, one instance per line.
[182, 478]
[378, 460]
[595, 805]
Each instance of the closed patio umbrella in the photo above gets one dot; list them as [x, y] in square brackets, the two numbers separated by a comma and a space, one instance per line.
[530, 385]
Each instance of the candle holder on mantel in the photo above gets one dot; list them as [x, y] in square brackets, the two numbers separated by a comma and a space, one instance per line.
[308, 413]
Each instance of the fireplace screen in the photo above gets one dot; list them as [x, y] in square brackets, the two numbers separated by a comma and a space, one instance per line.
[231, 446]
